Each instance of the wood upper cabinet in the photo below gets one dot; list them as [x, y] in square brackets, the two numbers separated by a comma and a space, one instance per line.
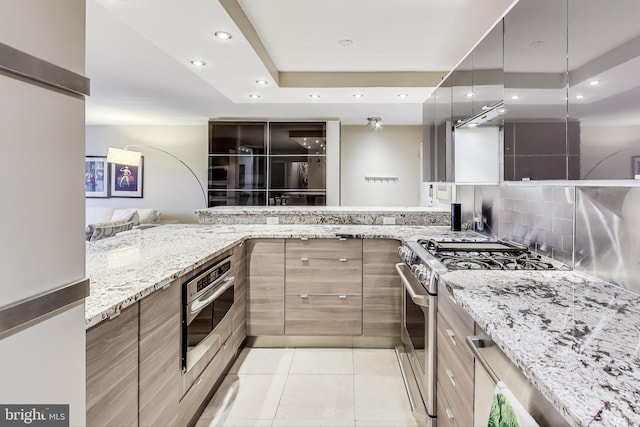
[381, 288]
[112, 371]
[455, 361]
[265, 291]
[159, 375]
[323, 287]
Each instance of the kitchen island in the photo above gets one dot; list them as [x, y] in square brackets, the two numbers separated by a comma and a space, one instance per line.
[573, 336]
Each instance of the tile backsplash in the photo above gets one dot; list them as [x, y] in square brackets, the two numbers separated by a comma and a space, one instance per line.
[595, 230]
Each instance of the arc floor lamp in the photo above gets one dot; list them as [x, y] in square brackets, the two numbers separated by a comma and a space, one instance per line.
[124, 156]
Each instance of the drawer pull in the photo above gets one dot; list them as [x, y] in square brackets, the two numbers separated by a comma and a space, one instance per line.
[343, 260]
[304, 296]
[304, 259]
[342, 239]
[449, 413]
[167, 286]
[198, 380]
[451, 377]
[304, 239]
[342, 296]
[452, 336]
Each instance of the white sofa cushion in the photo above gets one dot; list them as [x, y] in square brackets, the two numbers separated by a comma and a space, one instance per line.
[125, 215]
[146, 216]
[96, 215]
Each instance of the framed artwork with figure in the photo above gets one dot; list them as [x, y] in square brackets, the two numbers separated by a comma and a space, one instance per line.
[126, 181]
[95, 177]
[635, 167]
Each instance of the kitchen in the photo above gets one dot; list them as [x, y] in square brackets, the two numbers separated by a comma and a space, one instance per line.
[571, 209]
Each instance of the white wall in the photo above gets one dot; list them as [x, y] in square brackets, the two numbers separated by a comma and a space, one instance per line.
[42, 245]
[168, 185]
[390, 151]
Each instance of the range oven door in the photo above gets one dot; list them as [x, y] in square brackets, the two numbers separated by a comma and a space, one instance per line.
[201, 316]
[419, 313]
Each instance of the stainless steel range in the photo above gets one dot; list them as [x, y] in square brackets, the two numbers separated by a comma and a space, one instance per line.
[424, 261]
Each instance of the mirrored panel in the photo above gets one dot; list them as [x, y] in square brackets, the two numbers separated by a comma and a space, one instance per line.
[488, 71]
[462, 91]
[237, 138]
[442, 132]
[535, 92]
[297, 172]
[237, 172]
[237, 198]
[297, 198]
[604, 88]
[297, 138]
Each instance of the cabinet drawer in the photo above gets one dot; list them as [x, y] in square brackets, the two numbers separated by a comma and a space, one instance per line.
[458, 320]
[324, 248]
[323, 315]
[447, 414]
[324, 276]
[455, 373]
[204, 386]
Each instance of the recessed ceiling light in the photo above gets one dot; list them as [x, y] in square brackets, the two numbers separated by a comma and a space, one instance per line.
[314, 96]
[470, 94]
[579, 96]
[472, 125]
[358, 95]
[254, 96]
[536, 44]
[403, 95]
[485, 107]
[262, 82]
[198, 62]
[345, 42]
[223, 35]
[594, 83]
[515, 97]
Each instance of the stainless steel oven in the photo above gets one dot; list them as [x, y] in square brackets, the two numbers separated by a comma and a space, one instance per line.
[206, 299]
[418, 353]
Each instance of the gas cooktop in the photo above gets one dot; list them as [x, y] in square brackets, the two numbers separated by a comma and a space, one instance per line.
[463, 254]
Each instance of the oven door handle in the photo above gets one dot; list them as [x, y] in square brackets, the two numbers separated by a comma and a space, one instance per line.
[196, 306]
[420, 297]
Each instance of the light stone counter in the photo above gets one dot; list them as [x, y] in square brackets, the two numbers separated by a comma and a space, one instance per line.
[134, 264]
[576, 338]
[359, 215]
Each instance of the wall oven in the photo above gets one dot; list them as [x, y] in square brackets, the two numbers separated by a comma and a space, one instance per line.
[206, 299]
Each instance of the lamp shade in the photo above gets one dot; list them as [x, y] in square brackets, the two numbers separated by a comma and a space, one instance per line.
[123, 157]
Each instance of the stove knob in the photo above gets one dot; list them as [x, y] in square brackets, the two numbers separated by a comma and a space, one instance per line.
[415, 268]
[423, 276]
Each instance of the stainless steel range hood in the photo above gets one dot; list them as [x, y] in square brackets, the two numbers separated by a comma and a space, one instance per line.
[490, 116]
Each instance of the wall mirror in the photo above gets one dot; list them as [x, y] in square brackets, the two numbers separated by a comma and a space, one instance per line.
[604, 86]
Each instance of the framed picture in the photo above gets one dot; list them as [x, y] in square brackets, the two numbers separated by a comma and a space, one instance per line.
[126, 181]
[96, 177]
[635, 167]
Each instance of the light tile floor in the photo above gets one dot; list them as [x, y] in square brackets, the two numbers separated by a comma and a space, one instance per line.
[303, 387]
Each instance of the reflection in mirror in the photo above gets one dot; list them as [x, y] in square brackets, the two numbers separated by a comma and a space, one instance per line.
[604, 86]
[443, 131]
[488, 85]
[535, 91]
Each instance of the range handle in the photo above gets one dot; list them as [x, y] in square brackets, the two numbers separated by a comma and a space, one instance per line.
[418, 296]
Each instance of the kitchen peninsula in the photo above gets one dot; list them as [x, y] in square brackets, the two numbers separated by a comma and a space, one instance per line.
[587, 386]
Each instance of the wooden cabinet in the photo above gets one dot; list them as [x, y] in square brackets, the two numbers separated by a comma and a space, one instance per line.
[323, 287]
[112, 371]
[332, 315]
[455, 362]
[381, 288]
[239, 309]
[265, 291]
[159, 353]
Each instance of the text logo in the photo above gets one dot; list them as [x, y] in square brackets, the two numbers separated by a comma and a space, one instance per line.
[34, 415]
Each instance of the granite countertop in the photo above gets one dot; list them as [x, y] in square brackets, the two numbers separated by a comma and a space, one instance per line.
[261, 210]
[576, 338]
[134, 264]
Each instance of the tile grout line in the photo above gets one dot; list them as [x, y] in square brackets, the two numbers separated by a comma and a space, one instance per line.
[286, 380]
